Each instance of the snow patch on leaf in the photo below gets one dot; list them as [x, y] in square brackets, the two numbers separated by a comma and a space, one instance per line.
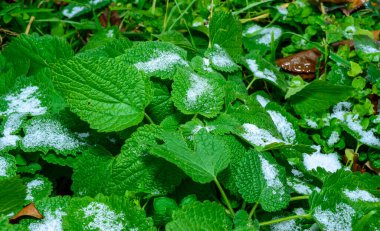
[52, 221]
[103, 218]
[283, 126]
[266, 74]
[262, 100]
[340, 220]
[299, 186]
[258, 136]
[199, 86]
[161, 61]
[360, 195]
[30, 186]
[70, 13]
[3, 166]
[333, 139]
[329, 162]
[289, 225]
[220, 58]
[270, 173]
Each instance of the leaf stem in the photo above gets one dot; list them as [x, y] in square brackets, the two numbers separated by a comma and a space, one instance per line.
[298, 198]
[306, 216]
[148, 118]
[253, 211]
[224, 197]
[182, 14]
[250, 83]
[154, 7]
[166, 15]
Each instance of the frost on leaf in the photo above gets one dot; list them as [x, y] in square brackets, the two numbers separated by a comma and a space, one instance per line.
[328, 162]
[102, 217]
[271, 175]
[258, 137]
[7, 165]
[339, 219]
[299, 186]
[52, 221]
[37, 188]
[262, 100]
[257, 38]
[19, 105]
[360, 195]
[46, 134]
[283, 126]
[220, 59]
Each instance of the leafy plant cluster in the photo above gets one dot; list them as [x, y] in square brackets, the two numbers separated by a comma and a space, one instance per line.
[197, 129]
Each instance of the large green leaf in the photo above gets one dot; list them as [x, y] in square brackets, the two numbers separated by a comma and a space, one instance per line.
[208, 216]
[260, 179]
[319, 96]
[196, 94]
[225, 31]
[12, 195]
[108, 94]
[209, 157]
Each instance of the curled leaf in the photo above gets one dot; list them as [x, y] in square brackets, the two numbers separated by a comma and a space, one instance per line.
[29, 210]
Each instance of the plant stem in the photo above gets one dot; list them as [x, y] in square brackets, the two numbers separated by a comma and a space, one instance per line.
[250, 83]
[154, 7]
[181, 15]
[358, 144]
[297, 198]
[243, 205]
[224, 197]
[253, 211]
[166, 15]
[250, 6]
[148, 118]
[306, 216]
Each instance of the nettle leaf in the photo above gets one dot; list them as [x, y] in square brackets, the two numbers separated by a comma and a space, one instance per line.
[37, 188]
[209, 157]
[92, 172]
[319, 96]
[159, 59]
[196, 94]
[367, 48]
[12, 195]
[220, 59]
[136, 170]
[7, 166]
[39, 51]
[105, 213]
[76, 9]
[200, 216]
[108, 48]
[161, 105]
[262, 69]
[45, 134]
[225, 30]
[261, 39]
[260, 179]
[53, 209]
[108, 94]
[201, 65]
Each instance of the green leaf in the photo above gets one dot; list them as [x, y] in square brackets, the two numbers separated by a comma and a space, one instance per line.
[135, 170]
[367, 48]
[259, 39]
[177, 39]
[225, 30]
[12, 195]
[39, 51]
[76, 9]
[200, 216]
[37, 188]
[159, 59]
[105, 213]
[196, 94]
[260, 179]
[202, 164]
[92, 172]
[161, 105]
[220, 60]
[108, 94]
[7, 166]
[319, 96]
[163, 209]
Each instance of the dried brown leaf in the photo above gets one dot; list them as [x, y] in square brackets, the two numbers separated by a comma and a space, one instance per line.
[29, 210]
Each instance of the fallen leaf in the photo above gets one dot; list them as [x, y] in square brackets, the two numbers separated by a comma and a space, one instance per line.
[353, 6]
[29, 210]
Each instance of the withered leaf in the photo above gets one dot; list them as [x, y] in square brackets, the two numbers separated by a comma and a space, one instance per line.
[304, 62]
[29, 210]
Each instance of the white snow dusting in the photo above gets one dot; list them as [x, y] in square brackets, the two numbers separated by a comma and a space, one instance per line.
[349, 32]
[271, 176]
[30, 186]
[73, 12]
[103, 218]
[340, 220]
[49, 133]
[161, 61]
[198, 87]
[329, 162]
[206, 65]
[299, 186]
[333, 139]
[266, 74]
[360, 195]
[311, 123]
[52, 221]
[262, 100]
[258, 136]
[283, 126]
[252, 29]
[267, 33]
[3, 166]
[220, 58]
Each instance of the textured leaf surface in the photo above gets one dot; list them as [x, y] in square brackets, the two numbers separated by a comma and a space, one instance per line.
[109, 95]
[319, 96]
[196, 94]
[161, 105]
[260, 179]
[37, 188]
[225, 30]
[200, 216]
[202, 164]
[7, 166]
[136, 170]
[220, 59]
[12, 195]
[105, 213]
[92, 172]
[159, 59]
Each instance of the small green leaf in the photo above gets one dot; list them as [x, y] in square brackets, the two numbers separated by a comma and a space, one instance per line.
[108, 94]
[37, 188]
[220, 60]
[200, 216]
[12, 195]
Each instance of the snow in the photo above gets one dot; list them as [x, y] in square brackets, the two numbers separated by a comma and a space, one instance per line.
[283, 11]
[262, 100]
[266, 74]
[297, 173]
[104, 219]
[333, 139]
[198, 87]
[197, 23]
[299, 211]
[199, 127]
[349, 32]
[161, 61]
[283, 126]
[3, 166]
[360, 195]
[271, 176]
[73, 12]
[110, 34]
[30, 186]
[340, 110]
[206, 65]
[83, 135]
[50, 222]
[266, 39]
[220, 58]
[329, 162]
[49, 133]
[367, 49]
[299, 186]
[289, 225]
[340, 220]
[311, 123]
[258, 136]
